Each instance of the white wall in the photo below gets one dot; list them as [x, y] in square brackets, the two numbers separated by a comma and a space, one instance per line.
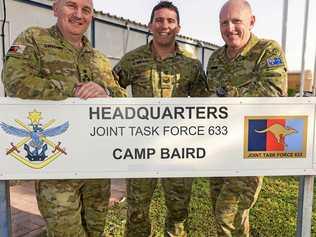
[113, 40]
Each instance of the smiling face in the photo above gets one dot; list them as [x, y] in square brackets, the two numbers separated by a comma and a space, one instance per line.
[236, 23]
[73, 16]
[164, 27]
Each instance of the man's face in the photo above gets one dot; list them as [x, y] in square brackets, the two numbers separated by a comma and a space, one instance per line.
[164, 27]
[236, 24]
[73, 16]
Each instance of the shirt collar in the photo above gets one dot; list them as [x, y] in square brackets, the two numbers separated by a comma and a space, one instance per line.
[179, 50]
[54, 30]
[251, 43]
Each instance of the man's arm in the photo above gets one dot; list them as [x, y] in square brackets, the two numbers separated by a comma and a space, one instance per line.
[267, 78]
[199, 87]
[272, 72]
[107, 80]
[22, 77]
[121, 73]
[213, 80]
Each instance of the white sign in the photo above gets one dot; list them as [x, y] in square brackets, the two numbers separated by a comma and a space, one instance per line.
[152, 137]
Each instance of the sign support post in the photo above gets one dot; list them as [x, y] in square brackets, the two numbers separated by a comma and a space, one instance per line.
[5, 213]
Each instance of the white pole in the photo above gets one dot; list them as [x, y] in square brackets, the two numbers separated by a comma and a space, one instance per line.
[5, 212]
[284, 24]
[306, 186]
[304, 47]
[314, 76]
[305, 206]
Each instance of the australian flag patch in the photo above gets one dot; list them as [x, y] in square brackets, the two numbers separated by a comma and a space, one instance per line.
[16, 49]
[274, 62]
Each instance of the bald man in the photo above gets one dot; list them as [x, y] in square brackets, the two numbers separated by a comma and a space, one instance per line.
[245, 66]
[54, 64]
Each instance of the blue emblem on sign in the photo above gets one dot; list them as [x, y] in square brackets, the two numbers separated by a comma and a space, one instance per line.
[35, 142]
[272, 62]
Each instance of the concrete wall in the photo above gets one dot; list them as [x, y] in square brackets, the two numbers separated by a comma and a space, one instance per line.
[111, 35]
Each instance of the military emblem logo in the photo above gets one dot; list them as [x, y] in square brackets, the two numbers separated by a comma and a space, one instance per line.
[275, 137]
[38, 149]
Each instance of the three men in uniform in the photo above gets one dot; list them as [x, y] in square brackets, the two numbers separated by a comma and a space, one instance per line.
[59, 62]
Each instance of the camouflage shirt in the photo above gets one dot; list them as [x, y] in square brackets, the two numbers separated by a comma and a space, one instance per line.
[179, 75]
[41, 64]
[259, 70]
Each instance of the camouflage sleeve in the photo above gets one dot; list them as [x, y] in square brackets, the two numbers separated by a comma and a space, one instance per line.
[22, 77]
[122, 73]
[212, 80]
[107, 79]
[199, 87]
[272, 71]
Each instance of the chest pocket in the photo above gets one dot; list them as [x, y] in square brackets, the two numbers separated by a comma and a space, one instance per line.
[166, 84]
[86, 73]
[217, 78]
[56, 61]
[142, 83]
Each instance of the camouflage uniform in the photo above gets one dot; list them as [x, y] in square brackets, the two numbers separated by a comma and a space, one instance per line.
[259, 70]
[41, 64]
[179, 75]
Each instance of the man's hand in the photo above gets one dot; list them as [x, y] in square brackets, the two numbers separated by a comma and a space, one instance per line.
[90, 90]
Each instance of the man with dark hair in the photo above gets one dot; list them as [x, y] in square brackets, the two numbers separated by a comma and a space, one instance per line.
[244, 66]
[53, 64]
[166, 5]
[160, 69]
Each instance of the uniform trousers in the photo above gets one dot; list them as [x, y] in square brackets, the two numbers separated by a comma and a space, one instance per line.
[232, 198]
[177, 193]
[74, 208]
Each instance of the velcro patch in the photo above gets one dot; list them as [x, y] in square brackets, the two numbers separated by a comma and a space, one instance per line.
[273, 62]
[16, 49]
[51, 46]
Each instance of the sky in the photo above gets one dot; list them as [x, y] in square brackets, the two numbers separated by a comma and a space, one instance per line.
[199, 20]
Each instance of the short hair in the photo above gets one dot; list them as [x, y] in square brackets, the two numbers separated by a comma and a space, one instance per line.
[244, 4]
[165, 4]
